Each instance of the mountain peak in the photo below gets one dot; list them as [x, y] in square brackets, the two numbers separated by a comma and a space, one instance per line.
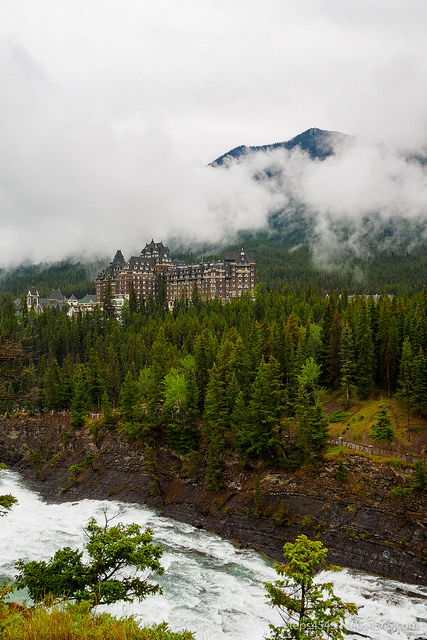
[318, 143]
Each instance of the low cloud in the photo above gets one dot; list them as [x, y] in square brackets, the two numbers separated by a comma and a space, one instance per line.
[75, 183]
[365, 198]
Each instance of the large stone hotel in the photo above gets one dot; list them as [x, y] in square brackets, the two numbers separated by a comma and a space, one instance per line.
[225, 279]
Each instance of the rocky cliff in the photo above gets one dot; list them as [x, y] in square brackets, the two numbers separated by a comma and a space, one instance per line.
[357, 518]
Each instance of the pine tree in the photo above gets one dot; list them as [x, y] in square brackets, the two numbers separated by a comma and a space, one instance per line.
[364, 346]
[205, 349]
[241, 425]
[96, 381]
[80, 399]
[107, 411]
[382, 429]
[334, 351]
[133, 301]
[309, 610]
[405, 377]
[66, 382]
[129, 401]
[312, 432]
[266, 408]
[419, 383]
[216, 417]
[181, 409]
[347, 368]
[107, 304]
[388, 337]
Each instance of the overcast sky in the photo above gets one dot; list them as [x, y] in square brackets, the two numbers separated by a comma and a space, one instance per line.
[110, 112]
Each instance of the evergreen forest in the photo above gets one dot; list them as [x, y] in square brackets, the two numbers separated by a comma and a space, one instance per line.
[242, 377]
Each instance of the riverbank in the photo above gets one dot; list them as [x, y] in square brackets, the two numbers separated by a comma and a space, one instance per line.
[357, 518]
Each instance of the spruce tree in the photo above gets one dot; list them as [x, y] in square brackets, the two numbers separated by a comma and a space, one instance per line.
[312, 432]
[388, 338]
[419, 383]
[405, 377]
[107, 303]
[129, 399]
[364, 347]
[347, 368]
[266, 408]
[80, 399]
[382, 429]
[107, 411]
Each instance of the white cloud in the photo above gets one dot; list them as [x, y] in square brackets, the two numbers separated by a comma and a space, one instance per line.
[111, 111]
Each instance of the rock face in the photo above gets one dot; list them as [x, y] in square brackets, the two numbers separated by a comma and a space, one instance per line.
[358, 520]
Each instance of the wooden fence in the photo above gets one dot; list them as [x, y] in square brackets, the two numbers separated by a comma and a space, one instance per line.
[386, 453]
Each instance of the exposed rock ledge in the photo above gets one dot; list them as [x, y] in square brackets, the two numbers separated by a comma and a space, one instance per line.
[359, 521]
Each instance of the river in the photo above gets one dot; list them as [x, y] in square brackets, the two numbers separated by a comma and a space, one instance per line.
[210, 586]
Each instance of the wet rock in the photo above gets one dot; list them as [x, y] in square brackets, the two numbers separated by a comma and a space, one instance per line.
[359, 521]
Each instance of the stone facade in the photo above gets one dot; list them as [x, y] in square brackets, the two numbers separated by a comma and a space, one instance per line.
[225, 279]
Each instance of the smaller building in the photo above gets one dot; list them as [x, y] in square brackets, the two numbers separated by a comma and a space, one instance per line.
[55, 299]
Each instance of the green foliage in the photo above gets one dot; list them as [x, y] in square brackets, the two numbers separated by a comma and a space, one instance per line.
[306, 521]
[16, 379]
[181, 406]
[77, 622]
[341, 473]
[338, 416]
[309, 610]
[218, 378]
[281, 517]
[6, 503]
[401, 492]
[396, 463]
[79, 401]
[419, 382]
[107, 411]
[213, 477]
[312, 432]
[382, 429]
[74, 471]
[256, 427]
[119, 558]
[309, 376]
[419, 480]
[107, 304]
[257, 499]
[70, 277]
[88, 461]
[129, 400]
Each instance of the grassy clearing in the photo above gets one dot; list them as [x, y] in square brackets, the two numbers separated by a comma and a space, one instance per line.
[77, 623]
[356, 425]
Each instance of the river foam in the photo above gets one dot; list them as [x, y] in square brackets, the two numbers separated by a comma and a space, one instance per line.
[210, 586]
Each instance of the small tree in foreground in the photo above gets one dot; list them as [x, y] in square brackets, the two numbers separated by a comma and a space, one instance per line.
[119, 557]
[309, 610]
